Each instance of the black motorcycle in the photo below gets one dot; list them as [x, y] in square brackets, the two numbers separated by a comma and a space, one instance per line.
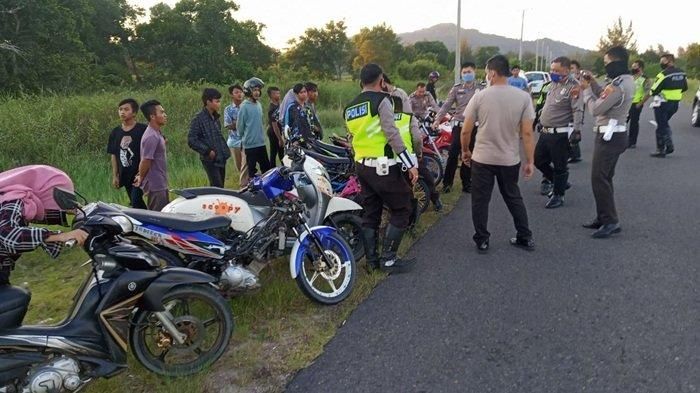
[174, 320]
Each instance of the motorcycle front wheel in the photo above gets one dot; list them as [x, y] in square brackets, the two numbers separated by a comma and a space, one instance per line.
[327, 280]
[434, 166]
[197, 311]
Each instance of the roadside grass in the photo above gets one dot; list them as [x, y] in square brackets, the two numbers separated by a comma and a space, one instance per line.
[692, 89]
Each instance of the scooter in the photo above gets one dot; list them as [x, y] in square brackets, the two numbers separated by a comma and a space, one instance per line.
[173, 319]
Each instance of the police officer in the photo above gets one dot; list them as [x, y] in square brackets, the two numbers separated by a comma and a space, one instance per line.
[641, 87]
[610, 106]
[575, 138]
[667, 90]
[561, 116]
[402, 105]
[421, 103]
[382, 153]
[459, 96]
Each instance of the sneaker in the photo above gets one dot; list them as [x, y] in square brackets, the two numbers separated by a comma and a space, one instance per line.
[528, 244]
[483, 248]
[546, 188]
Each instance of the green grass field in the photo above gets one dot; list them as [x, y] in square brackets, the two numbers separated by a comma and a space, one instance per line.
[278, 330]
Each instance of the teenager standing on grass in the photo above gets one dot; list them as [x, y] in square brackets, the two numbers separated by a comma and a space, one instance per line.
[250, 127]
[274, 134]
[124, 148]
[153, 170]
[234, 140]
[205, 138]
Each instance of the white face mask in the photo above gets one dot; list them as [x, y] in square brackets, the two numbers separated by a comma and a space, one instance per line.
[488, 79]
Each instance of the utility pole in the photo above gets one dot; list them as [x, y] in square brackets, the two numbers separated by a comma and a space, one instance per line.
[522, 27]
[537, 54]
[458, 49]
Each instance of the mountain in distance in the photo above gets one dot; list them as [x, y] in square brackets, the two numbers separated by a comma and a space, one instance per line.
[445, 32]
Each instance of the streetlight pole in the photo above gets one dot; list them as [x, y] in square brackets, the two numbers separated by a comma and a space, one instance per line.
[522, 27]
[458, 49]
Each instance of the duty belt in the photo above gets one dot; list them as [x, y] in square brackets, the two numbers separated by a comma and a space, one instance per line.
[557, 130]
[372, 162]
[604, 129]
[457, 123]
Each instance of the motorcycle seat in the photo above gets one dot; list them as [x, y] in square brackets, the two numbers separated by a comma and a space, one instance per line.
[333, 149]
[179, 222]
[326, 160]
[14, 302]
[253, 198]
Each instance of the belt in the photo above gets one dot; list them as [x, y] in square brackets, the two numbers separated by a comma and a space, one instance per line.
[604, 129]
[557, 130]
[457, 123]
[372, 162]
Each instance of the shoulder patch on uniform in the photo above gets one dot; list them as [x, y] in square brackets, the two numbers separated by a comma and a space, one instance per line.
[608, 89]
[357, 111]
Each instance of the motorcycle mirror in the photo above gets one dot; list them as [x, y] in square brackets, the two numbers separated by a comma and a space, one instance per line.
[66, 200]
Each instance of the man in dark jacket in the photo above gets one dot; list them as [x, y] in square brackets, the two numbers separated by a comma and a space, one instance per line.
[205, 138]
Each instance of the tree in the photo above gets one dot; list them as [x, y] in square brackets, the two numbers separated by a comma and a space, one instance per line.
[484, 53]
[431, 50]
[376, 45]
[692, 60]
[323, 51]
[618, 35]
[200, 40]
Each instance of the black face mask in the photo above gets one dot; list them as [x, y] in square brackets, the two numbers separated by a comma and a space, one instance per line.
[663, 65]
[616, 68]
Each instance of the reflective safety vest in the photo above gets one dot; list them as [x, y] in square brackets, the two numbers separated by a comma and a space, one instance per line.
[673, 80]
[363, 123]
[639, 89]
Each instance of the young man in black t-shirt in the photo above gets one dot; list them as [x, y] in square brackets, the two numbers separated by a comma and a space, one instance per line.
[273, 127]
[124, 147]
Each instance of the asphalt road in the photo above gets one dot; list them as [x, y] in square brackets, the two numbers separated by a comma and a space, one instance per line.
[576, 315]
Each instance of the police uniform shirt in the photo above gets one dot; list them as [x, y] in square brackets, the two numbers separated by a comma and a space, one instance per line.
[563, 105]
[420, 105]
[460, 95]
[611, 102]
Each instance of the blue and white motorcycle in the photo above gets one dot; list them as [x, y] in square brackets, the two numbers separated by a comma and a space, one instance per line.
[233, 236]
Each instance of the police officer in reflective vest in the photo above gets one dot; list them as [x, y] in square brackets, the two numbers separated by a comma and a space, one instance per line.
[561, 116]
[382, 152]
[610, 106]
[667, 90]
[641, 89]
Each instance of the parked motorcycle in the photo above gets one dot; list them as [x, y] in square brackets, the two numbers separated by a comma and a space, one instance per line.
[173, 319]
[274, 216]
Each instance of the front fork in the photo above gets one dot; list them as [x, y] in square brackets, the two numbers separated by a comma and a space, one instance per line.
[314, 238]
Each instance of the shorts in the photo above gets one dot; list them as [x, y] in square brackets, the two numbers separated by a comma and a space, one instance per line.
[233, 141]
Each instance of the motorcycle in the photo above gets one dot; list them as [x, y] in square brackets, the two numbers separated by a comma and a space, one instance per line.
[269, 219]
[173, 319]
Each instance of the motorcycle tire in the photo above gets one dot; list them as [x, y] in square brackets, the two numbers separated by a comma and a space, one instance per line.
[337, 249]
[422, 193]
[145, 326]
[349, 225]
[434, 165]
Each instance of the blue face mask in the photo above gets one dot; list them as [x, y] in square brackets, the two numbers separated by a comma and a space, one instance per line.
[468, 77]
[556, 78]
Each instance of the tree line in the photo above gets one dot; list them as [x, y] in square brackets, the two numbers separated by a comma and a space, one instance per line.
[86, 45]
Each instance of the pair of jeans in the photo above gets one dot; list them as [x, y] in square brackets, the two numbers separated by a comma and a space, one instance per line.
[135, 196]
[257, 157]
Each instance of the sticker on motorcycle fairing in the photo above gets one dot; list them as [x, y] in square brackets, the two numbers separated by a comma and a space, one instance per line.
[221, 208]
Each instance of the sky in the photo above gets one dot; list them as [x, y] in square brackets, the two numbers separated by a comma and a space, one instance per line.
[576, 23]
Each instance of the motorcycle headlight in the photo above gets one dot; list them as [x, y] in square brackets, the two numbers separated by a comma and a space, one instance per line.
[124, 222]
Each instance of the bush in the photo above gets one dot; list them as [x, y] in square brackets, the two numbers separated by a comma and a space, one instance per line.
[418, 69]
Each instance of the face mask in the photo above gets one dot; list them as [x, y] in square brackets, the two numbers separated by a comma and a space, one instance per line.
[556, 78]
[615, 69]
[636, 70]
[468, 77]
[663, 65]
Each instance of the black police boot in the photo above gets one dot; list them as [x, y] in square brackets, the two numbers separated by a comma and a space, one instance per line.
[369, 239]
[660, 149]
[554, 202]
[606, 230]
[669, 147]
[390, 261]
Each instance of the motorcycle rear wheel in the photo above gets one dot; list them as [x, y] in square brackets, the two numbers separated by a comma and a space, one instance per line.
[349, 225]
[186, 304]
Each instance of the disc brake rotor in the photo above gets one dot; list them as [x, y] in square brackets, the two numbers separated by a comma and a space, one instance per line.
[332, 272]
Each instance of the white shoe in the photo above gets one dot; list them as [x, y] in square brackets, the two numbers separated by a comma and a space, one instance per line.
[653, 123]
